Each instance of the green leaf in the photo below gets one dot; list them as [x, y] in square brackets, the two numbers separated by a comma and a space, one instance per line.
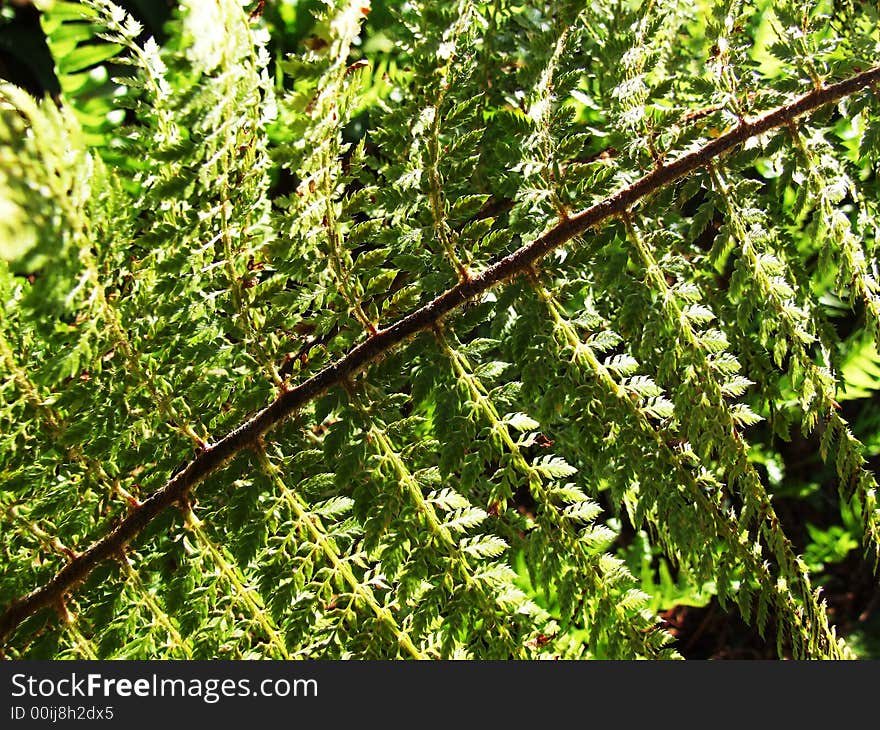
[87, 56]
[553, 467]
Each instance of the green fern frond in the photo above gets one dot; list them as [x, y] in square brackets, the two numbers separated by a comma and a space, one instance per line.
[372, 349]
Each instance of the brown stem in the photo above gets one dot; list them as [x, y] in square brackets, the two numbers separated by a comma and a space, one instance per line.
[216, 455]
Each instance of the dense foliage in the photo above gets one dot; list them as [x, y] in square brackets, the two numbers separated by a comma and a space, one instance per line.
[416, 330]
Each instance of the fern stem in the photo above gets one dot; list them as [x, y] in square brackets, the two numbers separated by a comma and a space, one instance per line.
[143, 594]
[855, 481]
[339, 565]
[721, 525]
[755, 499]
[247, 595]
[214, 456]
[438, 529]
[590, 569]
[82, 645]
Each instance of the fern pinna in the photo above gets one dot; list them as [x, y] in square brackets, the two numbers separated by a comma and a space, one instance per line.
[273, 387]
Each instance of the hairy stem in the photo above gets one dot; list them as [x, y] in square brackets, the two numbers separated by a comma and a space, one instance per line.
[215, 455]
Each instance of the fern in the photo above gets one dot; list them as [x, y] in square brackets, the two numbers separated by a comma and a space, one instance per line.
[271, 391]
